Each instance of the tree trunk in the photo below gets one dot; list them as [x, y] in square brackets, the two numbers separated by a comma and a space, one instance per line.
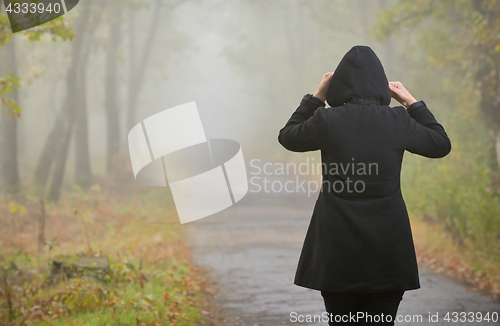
[62, 149]
[488, 76]
[137, 72]
[497, 146]
[111, 105]
[389, 48]
[83, 174]
[70, 105]
[8, 127]
[55, 138]
[46, 159]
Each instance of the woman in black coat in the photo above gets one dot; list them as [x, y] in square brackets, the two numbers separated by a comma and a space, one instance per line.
[358, 249]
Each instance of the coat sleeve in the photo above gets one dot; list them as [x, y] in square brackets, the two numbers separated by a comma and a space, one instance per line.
[423, 134]
[306, 130]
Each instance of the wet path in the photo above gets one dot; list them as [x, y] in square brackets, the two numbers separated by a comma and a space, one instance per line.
[253, 247]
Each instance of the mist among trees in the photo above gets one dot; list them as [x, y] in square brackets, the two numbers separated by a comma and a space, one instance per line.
[71, 90]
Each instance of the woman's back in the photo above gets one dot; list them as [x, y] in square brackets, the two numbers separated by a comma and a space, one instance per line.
[363, 148]
[359, 238]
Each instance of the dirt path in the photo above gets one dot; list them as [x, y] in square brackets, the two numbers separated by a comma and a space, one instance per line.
[252, 250]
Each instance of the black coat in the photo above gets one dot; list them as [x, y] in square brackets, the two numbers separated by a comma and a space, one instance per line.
[359, 238]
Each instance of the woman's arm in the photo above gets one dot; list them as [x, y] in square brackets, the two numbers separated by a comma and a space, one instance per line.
[423, 134]
[306, 130]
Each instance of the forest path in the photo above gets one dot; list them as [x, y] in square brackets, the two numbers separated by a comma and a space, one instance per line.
[252, 249]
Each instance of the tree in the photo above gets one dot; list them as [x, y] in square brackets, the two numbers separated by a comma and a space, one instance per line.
[56, 146]
[50, 168]
[454, 58]
[8, 125]
[282, 48]
[8, 94]
[74, 105]
[138, 66]
[472, 29]
[111, 100]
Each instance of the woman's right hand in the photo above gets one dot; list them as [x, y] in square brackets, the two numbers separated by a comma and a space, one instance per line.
[321, 91]
[400, 94]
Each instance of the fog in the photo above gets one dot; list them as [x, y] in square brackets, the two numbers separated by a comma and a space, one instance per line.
[245, 63]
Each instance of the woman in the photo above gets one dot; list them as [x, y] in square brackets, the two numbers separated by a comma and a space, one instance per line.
[358, 249]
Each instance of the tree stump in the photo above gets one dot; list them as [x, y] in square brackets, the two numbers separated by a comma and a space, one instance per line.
[64, 268]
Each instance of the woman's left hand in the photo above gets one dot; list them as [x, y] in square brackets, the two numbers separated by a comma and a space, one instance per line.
[321, 91]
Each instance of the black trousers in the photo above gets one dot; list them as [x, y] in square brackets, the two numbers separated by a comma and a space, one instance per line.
[362, 308]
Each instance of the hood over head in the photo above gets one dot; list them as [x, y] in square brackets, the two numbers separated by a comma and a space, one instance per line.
[359, 78]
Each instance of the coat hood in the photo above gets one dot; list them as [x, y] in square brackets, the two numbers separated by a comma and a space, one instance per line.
[359, 78]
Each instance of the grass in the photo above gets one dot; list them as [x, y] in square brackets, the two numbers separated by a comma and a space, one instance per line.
[151, 279]
[438, 251]
[147, 305]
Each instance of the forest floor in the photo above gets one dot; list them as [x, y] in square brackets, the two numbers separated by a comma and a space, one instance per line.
[150, 279]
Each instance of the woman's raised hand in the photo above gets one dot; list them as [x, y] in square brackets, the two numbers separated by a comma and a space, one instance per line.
[321, 91]
[400, 94]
